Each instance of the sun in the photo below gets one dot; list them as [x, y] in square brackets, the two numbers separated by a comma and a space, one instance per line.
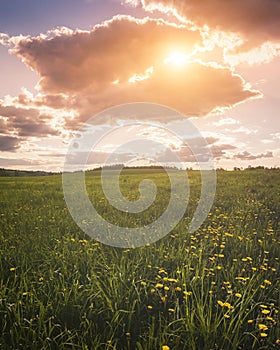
[176, 58]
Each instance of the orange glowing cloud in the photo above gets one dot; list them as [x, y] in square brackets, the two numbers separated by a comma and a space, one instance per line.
[256, 21]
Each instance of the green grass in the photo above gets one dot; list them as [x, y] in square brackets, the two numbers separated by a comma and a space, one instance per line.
[218, 288]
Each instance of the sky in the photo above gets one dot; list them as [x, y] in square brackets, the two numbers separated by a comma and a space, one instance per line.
[64, 62]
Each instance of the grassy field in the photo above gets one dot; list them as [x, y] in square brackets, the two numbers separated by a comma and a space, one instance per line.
[218, 288]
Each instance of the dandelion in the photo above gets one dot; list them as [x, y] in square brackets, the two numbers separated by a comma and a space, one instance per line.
[165, 347]
[226, 316]
[263, 335]
[173, 280]
[166, 288]
[171, 310]
[149, 307]
[143, 283]
[265, 312]
[178, 289]
[250, 321]
[262, 327]
[267, 282]
[238, 295]
[159, 285]
[12, 268]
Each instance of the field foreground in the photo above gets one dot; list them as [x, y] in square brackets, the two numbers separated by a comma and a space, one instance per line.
[218, 288]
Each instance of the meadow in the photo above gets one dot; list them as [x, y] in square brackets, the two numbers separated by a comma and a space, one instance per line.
[216, 288]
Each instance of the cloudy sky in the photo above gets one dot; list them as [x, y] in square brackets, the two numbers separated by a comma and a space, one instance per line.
[216, 62]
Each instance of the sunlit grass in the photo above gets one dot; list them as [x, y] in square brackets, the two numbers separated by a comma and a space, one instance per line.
[217, 288]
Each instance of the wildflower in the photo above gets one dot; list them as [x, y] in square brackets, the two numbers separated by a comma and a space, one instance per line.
[24, 293]
[238, 295]
[166, 288]
[159, 285]
[12, 268]
[250, 321]
[171, 310]
[187, 293]
[278, 341]
[178, 289]
[263, 335]
[165, 347]
[149, 307]
[152, 290]
[226, 316]
[172, 280]
[143, 283]
[267, 282]
[265, 312]
[226, 304]
[220, 303]
[262, 327]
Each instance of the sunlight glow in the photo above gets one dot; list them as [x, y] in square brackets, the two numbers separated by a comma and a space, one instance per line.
[176, 58]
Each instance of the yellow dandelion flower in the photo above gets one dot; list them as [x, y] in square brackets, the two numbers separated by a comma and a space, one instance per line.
[267, 282]
[149, 307]
[159, 285]
[178, 289]
[165, 347]
[166, 288]
[263, 335]
[143, 283]
[265, 312]
[262, 326]
[12, 268]
[172, 280]
[226, 316]
[226, 304]
[152, 290]
[250, 321]
[278, 341]
[171, 310]
[270, 319]
[238, 295]
[220, 303]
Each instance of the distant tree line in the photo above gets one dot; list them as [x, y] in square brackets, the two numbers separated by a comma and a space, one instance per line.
[12, 172]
